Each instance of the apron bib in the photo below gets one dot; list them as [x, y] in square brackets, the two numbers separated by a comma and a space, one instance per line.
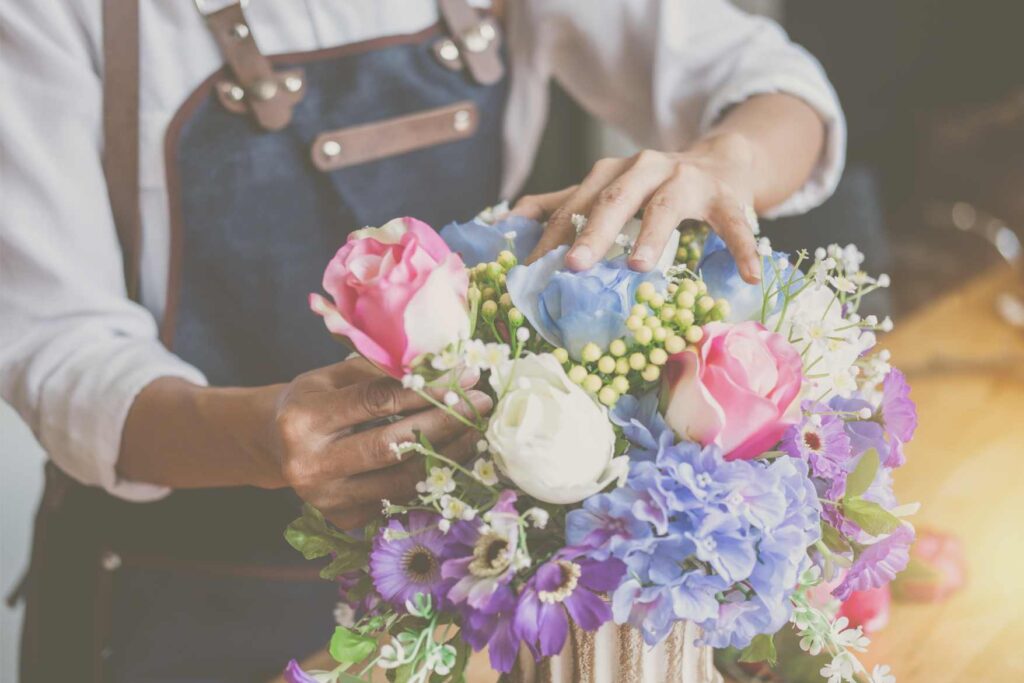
[270, 165]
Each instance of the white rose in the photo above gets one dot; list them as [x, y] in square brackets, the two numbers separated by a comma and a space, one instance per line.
[547, 435]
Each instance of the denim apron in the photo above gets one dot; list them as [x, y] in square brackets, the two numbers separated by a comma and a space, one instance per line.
[202, 585]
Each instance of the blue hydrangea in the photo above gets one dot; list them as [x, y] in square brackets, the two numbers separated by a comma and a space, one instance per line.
[478, 241]
[691, 527]
[572, 309]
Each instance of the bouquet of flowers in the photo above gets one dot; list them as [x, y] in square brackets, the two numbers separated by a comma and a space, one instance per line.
[668, 446]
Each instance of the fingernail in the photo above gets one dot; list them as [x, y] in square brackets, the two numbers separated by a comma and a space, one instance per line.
[643, 254]
[480, 400]
[754, 268]
[581, 255]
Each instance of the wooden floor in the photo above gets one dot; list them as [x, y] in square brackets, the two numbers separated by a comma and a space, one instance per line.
[966, 467]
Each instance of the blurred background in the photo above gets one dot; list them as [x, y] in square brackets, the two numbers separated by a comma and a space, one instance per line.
[934, 195]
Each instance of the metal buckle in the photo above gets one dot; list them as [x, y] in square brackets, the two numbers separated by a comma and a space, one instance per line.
[205, 9]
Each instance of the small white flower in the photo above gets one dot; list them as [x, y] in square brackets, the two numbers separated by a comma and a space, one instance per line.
[819, 254]
[474, 354]
[481, 446]
[414, 382]
[344, 615]
[454, 508]
[451, 399]
[485, 472]
[852, 639]
[764, 247]
[521, 560]
[392, 655]
[510, 235]
[782, 263]
[840, 669]
[865, 413]
[441, 480]
[537, 516]
[843, 284]
[446, 360]
[883, 280]
[886, 325]
[579, 221]
[444, 525]
[882, 674]
[495, 354]
[522, 334]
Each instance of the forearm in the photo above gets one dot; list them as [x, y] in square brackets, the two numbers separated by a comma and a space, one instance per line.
[181, 435]
[776, 138]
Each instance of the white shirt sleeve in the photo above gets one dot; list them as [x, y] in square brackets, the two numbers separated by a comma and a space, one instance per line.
[74, 350]
[664, 71]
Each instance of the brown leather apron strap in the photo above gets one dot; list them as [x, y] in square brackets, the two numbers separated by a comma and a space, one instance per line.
[270, 96]
[477, 40]
[121, 130]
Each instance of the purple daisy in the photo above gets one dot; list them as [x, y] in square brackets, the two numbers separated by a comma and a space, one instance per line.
[565, 587]
[878, 564]
[406, 559]
[482, 556]
[293, 673]
[899, 414]
[819, 439]
[494, 628]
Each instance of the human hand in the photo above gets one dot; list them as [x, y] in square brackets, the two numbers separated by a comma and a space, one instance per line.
[343, 471]
[710, 182]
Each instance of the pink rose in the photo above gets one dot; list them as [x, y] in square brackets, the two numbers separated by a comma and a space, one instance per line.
[868, 609]
[739, 389]
[399, 292]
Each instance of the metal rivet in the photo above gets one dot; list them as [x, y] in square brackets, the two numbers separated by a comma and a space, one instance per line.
[462, 120]
[475, 41]
[240, 31]
[292, 83]
[235, 93]
[448, 51]
[265, 89]
[110, 561]
[331, 148]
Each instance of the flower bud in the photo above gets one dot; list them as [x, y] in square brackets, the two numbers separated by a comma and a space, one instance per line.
[657, 301]
[644, 335]
[685, 299]
[660, 334]
[652, 322]
[590, 353]
[675, 344]
[608, 396]
[684, 318]
[620, 384]
[490, 293]
[592, 383]
[651, 373]
[577, 374]
[561, 354]
[639, 311]
[474, 295]
[658, 356]
[667, 313]
[694, 334]
[494, 270]
[622, 366]
[637, 361]
[505, 301]
[705, 304]
[689, 286]
[489, 309]
[506, 259]
[645, 292]
[634, 323]
[617, 348]
[515, 317]
[606, 365]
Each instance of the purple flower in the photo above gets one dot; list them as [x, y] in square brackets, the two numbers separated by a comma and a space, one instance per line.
[293, 673]
[899, 414]
[565, 587]
[406, 559]
[740, 619]
[878, 564]
[645, 608]
[722, 541]
[480, 240]
[494, 628]
[483, 556]
[642, 425]
[360, 599]
[820, 439]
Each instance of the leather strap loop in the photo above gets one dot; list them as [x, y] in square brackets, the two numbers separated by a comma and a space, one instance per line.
[269, 96]
[478, 40]
[121, 130]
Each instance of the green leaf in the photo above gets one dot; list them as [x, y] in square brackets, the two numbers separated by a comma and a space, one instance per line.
[313, 537]
[402, 674]
[834, 540]
[761, 649]
[861, 477]
[345, 562]
[348, 647]
[871, 517]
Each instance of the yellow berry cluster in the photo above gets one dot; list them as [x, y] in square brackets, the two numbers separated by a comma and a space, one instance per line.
[660, 325]
[692, 234]
[495, 318]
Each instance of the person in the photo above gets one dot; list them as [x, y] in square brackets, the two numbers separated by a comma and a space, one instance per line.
[177, 374]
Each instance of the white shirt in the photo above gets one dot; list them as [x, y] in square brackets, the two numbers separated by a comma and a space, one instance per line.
[74, 351]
